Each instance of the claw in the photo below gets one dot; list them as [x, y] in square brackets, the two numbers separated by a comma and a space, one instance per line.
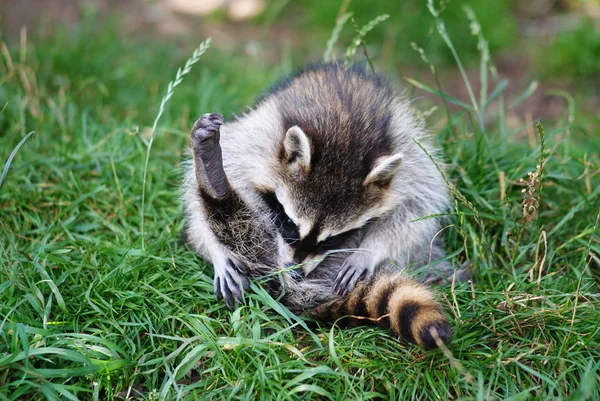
[227, 295]
[234, 288]
[354, 280]
[347, 278]
[217, 287]
[209, 121]
[230, 283]
[242, 274]
[340, 278]
[347, 282]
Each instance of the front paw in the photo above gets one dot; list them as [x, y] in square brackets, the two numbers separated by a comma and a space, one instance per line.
[206, 132]
[352, 270]
[207, 153]
[230, 282]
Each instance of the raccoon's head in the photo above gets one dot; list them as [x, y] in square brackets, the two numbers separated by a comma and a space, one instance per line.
[336, 159]
[326, 192]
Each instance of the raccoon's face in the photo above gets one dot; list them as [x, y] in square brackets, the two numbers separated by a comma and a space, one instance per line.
[321, 202]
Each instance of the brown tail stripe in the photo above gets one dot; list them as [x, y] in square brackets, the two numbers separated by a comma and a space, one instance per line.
[337, 309]
[361, 308]
[354, 299]
[377, 303]
[405, 294]
[416, 321]
[348, 305]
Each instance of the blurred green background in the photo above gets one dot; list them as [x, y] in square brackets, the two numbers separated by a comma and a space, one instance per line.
[556, 42]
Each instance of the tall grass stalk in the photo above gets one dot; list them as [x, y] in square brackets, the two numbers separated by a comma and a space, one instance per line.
[335, 35]
[359, 39]
[181, 72]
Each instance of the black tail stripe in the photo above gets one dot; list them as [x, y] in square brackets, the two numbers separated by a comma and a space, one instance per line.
[361, 308]
[356, 306]
[408, 312]
[382, 306]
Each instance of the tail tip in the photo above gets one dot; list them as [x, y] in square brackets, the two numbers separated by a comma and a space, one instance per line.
[442, 328]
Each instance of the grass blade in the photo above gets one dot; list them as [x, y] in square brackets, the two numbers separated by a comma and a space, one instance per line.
[12, 156]
[436, 92]
[528, 92]
[181, 72]
[335, 34]
[498, 90]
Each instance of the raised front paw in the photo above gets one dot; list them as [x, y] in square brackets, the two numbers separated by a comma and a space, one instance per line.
[207, 153]
[352, 270]
[230, 282]
[205, 134]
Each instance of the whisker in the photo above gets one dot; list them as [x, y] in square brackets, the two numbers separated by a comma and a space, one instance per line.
[345, 250]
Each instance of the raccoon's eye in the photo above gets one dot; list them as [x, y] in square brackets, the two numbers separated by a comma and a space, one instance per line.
[286, 226]
[337, 241]
[289, 229]
[332, 242]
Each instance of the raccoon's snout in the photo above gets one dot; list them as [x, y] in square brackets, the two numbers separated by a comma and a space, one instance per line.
[300, 255]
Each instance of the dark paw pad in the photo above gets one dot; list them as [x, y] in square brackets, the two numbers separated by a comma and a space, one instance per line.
[442, 330]
[207, 153]
[205, 134]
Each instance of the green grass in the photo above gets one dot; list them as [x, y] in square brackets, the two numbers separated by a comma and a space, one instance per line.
[409, 21]
[88, 312]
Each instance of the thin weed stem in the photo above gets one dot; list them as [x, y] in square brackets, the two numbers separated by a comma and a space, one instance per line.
[181, 72]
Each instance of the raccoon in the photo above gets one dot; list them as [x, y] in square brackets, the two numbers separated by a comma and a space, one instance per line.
[321, 192]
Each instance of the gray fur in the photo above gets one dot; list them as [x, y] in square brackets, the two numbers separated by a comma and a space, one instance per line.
[364, 176]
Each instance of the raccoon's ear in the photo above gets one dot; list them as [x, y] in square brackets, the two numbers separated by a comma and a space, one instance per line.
[297, 148]
[384, 170]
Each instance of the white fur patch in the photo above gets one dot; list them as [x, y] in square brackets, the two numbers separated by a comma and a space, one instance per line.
[297, 148]
[384, 169]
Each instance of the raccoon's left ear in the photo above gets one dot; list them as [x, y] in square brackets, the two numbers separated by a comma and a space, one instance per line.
[297, 148]
[384, 170]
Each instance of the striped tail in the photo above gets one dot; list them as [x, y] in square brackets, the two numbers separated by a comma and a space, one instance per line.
[392, 300]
